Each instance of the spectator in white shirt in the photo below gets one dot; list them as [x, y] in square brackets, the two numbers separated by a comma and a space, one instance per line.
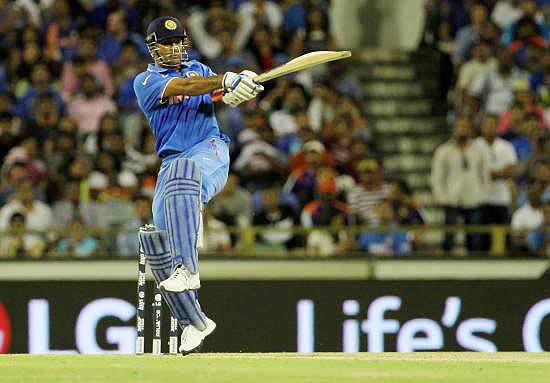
[265, 12]
[38, 214]
[460, 180]
[492, 91]
[482, 62]
[503, 165]
[506, 12]
[527, 217]
[18, 243]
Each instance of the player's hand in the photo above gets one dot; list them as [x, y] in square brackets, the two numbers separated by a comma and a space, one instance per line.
[242, 84]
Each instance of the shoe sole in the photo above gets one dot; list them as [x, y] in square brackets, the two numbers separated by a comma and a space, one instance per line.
[197, 349]
[163, 289]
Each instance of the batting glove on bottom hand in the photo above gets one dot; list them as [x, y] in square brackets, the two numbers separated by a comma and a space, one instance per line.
[240, 87]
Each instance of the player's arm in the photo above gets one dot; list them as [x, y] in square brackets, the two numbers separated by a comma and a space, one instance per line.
[193, 86]
[240, 85]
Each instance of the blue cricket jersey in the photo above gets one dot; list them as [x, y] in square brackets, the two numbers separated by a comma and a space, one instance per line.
[178, 122]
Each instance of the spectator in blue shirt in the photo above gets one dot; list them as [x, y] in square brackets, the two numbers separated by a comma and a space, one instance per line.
[41, 87]
[539, 241]
[79, 244]
[389, 243]
[111, 47]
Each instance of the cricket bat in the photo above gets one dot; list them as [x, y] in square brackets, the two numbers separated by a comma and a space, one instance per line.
[302, 62]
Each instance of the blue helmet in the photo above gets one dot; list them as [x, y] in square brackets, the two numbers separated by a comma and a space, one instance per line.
[169, 30]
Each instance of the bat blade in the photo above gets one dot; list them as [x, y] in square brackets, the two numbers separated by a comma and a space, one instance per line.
[302, 62]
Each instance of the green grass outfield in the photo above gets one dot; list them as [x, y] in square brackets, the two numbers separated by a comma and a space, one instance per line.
[280, 368]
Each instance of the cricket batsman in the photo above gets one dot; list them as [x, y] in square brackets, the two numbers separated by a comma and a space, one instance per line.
[175, 94]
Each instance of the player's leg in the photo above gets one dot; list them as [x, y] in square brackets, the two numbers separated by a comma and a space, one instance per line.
[192, 335]
[212, 157]
[183, 305]
[191, 181]
[181, 210]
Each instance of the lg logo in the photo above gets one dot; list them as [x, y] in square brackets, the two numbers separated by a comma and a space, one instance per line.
[5, 330]
[85, 329]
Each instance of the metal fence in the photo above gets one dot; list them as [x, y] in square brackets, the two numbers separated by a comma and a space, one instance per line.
[257, 241]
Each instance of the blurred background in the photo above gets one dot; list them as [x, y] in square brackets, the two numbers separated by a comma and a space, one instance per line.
[418, 171]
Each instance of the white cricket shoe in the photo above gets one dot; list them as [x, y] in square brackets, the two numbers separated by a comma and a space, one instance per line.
[191, 338]
[181, 280]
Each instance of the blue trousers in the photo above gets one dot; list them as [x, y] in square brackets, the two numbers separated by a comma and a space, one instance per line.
[212, 158]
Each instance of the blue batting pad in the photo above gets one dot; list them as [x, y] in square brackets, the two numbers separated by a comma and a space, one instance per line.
[182, 207]
[183, 306]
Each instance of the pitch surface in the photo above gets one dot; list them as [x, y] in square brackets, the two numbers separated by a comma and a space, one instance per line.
[267, 368]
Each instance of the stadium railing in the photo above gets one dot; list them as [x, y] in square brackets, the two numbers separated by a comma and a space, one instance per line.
[250, 241]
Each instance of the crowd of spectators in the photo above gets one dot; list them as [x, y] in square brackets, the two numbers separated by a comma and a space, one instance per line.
[495, 169]
[78, 158]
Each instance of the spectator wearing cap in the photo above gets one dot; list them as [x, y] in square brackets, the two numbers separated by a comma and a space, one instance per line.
[524, 99]
[389, 243]
[302, 180]
[493, 90]
[503, 165]
[88, 108]
[87, 62]
[28, 153]
[18, 243]
[38, 213]
[328, 209]
[460, 179]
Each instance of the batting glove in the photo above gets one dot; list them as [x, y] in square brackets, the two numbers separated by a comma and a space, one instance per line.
[241, 86]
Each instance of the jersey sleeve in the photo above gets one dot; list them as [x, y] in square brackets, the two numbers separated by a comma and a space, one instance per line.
[149, 88]
[207, 72]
